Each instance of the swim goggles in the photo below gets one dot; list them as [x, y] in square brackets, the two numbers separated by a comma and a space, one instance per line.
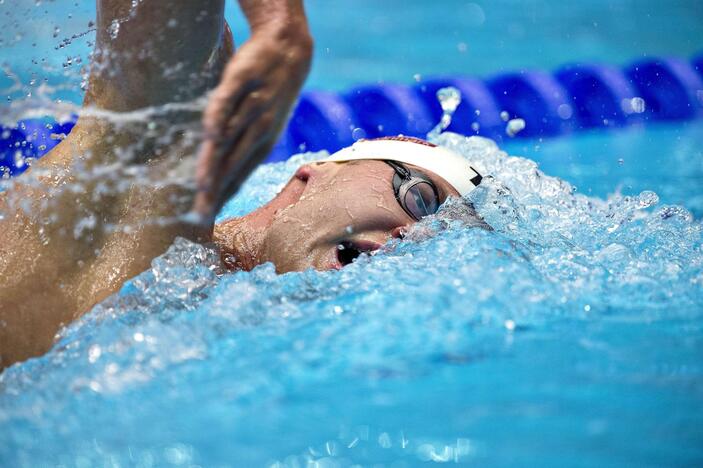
[447, 164]
[415, 192]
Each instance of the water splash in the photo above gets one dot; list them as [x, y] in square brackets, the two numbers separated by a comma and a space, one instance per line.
[449, 98]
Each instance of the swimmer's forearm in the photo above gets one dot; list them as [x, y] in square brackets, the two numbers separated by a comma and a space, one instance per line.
[155, 52]
[280, 15]
[63, 252]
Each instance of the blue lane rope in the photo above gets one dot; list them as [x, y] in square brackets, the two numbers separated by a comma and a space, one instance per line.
[597, 95]
[573, 98]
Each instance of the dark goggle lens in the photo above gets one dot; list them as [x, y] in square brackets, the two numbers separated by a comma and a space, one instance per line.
[421, 200]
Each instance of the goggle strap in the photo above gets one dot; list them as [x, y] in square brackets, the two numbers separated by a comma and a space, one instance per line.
[477, 178]
[399, 169]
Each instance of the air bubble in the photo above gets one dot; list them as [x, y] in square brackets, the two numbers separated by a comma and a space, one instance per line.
[358, 133]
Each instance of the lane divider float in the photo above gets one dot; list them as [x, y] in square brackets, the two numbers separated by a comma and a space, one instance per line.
[573, 98]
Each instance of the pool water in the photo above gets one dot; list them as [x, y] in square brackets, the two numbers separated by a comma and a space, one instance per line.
[571, 335]
[355, 39]
[664, 158]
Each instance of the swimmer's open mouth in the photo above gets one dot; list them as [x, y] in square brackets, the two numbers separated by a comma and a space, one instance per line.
[348, 251]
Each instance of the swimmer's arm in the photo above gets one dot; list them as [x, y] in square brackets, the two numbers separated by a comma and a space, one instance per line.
[76, 226]
[150, 53]
[251, 104]
[67, 238]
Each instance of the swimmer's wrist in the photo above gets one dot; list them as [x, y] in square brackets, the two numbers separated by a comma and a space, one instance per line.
[294, 36]
[282, 20]
[289, 46]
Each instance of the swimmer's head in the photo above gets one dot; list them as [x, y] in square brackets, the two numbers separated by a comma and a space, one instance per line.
[357, 199]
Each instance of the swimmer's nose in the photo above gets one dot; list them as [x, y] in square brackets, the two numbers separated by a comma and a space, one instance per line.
[304, 172]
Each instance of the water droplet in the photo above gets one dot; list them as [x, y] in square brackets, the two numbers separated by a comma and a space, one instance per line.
[19, 159]
[449, 99]
[358, 133]
[95, 386]
[647, 198]
[514, 126]
[114, 29]
[94, 353]
[384, 440]
[565, 111]
[638, 105]
[178, 454]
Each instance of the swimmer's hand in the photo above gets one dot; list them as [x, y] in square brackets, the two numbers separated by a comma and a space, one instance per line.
[250, 106]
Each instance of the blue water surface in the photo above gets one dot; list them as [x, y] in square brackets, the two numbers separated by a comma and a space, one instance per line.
[361, 41]
[569, 335]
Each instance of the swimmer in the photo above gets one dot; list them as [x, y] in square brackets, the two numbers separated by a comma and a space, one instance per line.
[75, 238]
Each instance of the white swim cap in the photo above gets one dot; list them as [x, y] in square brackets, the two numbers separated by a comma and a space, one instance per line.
[447, 164]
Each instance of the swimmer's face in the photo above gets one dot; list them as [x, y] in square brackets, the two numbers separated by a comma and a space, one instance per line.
[331, 204]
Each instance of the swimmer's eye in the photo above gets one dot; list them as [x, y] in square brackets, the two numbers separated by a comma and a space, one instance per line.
[347, 253]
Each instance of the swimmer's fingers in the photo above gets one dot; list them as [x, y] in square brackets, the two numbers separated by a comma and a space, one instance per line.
[256, 144]
[233, 106]
[225, 100]
[246, 112]
[257, 120]
[220, 136]
[250, 112]
[243, 157]
[220, 155]
[205, 196]
[219, 111]
[244, 79]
